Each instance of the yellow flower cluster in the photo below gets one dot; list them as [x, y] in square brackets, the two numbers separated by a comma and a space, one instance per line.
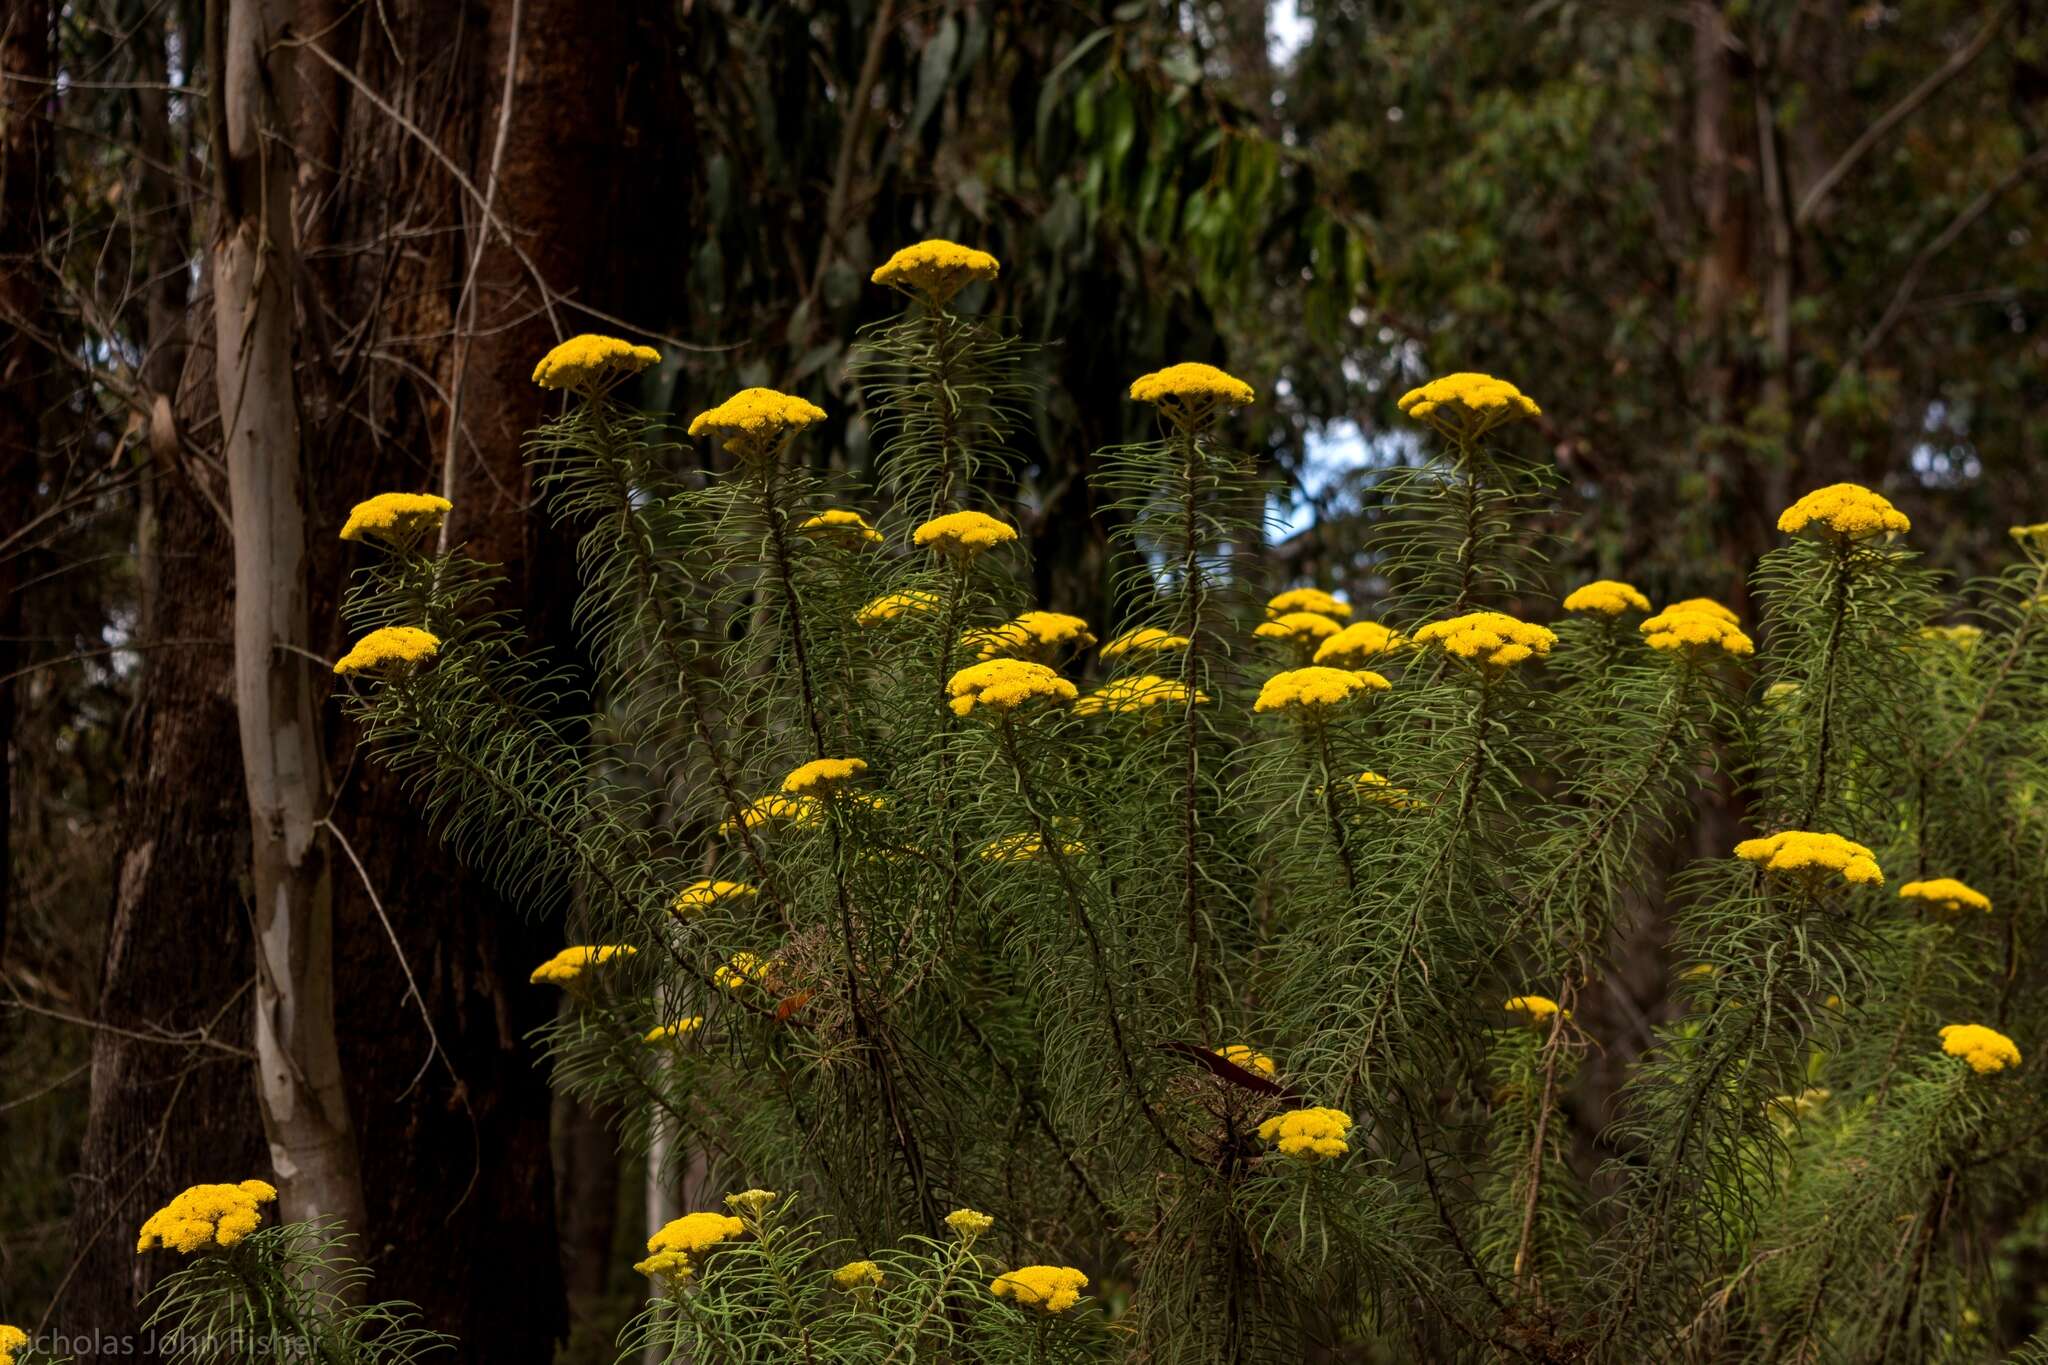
[1042, 631]
[591, 363]
[967, 1224]
[1813, 855]
[1709, 606]
[963, 533]
[207, 1215]
[774, 808]
[936, 268]
[1370, 786]
[1985, 1049]
[1126, 695]
[742, 969]
[672, 1264]
[2034, 537]
[753, 420]
[1191, 384]
[1962, 637]
[823, 776]
[1534, 1009]
[1006, 684]
[1682, 629]
[1314, 689]
[839, 524]
[1492, 638]
[755, 1202]
[1357, 644]
[1308, 599]
[676, 1032]
[693, 1234]
[400, 518]
[12, 1340]
[1144, 640]
[892, 605]
[1843, 511]
[1946, 894]
[1249, 1058]
[568, 964]
[1048, 1288]
[856, 1275]
[700, 896]
[1465, 406]
[1606, 597]
[1026, 848]
[1298, 627]
[389, 647]
[1308, 1134]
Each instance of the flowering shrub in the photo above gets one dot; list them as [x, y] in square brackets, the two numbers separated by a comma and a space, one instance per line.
[1242, 966]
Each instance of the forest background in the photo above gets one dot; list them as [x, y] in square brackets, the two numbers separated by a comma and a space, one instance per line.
[1735, 248]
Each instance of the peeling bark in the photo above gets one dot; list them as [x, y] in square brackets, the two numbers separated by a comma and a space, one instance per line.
[299, 1081]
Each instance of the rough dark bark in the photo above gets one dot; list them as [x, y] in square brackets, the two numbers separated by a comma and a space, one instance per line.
[458, 1156]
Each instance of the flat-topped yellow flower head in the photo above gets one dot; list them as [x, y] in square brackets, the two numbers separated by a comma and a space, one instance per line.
[396, 518]
[965, 534]
[1125, 696]
[1843, 512]
[1985, 1049]
[1946, 894]
[1251, 1059]
[1190, 393]
[776, 808]
[1370, 786]
[756, 421]
[676, 1032]
[1533, 1010]
[744, 969]
[1005, 685]
[1308, 1134]
[1964, 638]
[1039, 633]
[823, 776]
[12, 1342]
[1816, 857]
[570, 964]
[207, 1216]
[1144, 640]
[1308, 599]
[856, 1276]
[892, 605]
[968, 1224]
[590, 364]
[389, 649]
[1693, 632]
[700, 896]
[1606, 597]
[1314, 690]
[1048, 1288]
[1358, 644]
[1298, 628]
[1026, 848]
[1709, 606]
[841, 525]
[693, 1234]
[670, 1265]
[1465, 406]
[1489, 638]
[936, 269]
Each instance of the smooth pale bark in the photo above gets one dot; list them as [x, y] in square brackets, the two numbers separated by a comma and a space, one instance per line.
[299, 1079]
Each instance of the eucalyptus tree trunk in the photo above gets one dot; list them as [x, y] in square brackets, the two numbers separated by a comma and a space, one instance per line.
[299, 1079]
